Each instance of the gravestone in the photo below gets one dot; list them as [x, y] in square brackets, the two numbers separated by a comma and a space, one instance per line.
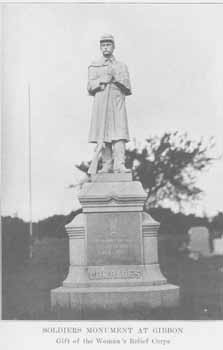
[199, 244]
[218, 246]
[113, 251]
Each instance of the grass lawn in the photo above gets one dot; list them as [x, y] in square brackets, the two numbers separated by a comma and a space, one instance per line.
[26, 289]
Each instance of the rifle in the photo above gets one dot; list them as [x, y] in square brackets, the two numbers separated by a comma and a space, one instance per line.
[94, 163]
[100, 145]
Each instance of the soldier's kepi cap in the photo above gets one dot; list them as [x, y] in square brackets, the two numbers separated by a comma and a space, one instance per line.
[107, 37]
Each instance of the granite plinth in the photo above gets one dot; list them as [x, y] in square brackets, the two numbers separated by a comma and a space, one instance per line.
[113, 251]
[114, 275]
[110, 298]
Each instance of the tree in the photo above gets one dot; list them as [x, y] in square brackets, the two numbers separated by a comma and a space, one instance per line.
[168, 167]
[217, 226]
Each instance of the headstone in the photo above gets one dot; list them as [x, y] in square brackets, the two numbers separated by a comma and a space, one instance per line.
[218, 246]
[199, 244]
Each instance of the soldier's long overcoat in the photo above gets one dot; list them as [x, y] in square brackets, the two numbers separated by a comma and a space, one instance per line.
[109, 118]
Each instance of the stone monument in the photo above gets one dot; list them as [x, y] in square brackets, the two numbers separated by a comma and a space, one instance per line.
[113, 243]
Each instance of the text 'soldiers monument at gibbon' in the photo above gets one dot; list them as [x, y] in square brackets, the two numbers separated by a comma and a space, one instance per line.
[113, 249]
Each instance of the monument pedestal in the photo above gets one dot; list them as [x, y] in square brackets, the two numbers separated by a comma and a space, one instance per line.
[113, 251]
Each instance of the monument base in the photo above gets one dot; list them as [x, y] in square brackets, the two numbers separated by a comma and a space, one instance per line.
[109, 299]
[114, 265]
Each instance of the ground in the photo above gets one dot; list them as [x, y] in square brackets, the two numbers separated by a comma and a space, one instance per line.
[26, 289]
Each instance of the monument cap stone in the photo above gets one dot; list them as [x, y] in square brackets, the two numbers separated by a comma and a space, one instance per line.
[112, 196]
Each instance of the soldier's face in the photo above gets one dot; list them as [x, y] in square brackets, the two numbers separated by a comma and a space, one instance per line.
[107, 48]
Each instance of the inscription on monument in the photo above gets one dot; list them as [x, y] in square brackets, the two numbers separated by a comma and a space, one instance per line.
[115, 240]
[114, 274]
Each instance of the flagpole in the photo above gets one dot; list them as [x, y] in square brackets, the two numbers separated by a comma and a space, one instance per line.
[30, 173]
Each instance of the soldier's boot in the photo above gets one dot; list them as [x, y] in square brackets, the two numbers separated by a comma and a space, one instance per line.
[119, 157]
[107, 161]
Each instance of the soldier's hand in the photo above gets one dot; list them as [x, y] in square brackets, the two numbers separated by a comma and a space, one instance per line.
[102, 87]
[105, 79]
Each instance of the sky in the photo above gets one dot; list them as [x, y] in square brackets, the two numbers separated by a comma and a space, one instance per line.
[174, 54]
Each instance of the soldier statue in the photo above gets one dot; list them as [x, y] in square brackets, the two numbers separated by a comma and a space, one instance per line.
[109, 83]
